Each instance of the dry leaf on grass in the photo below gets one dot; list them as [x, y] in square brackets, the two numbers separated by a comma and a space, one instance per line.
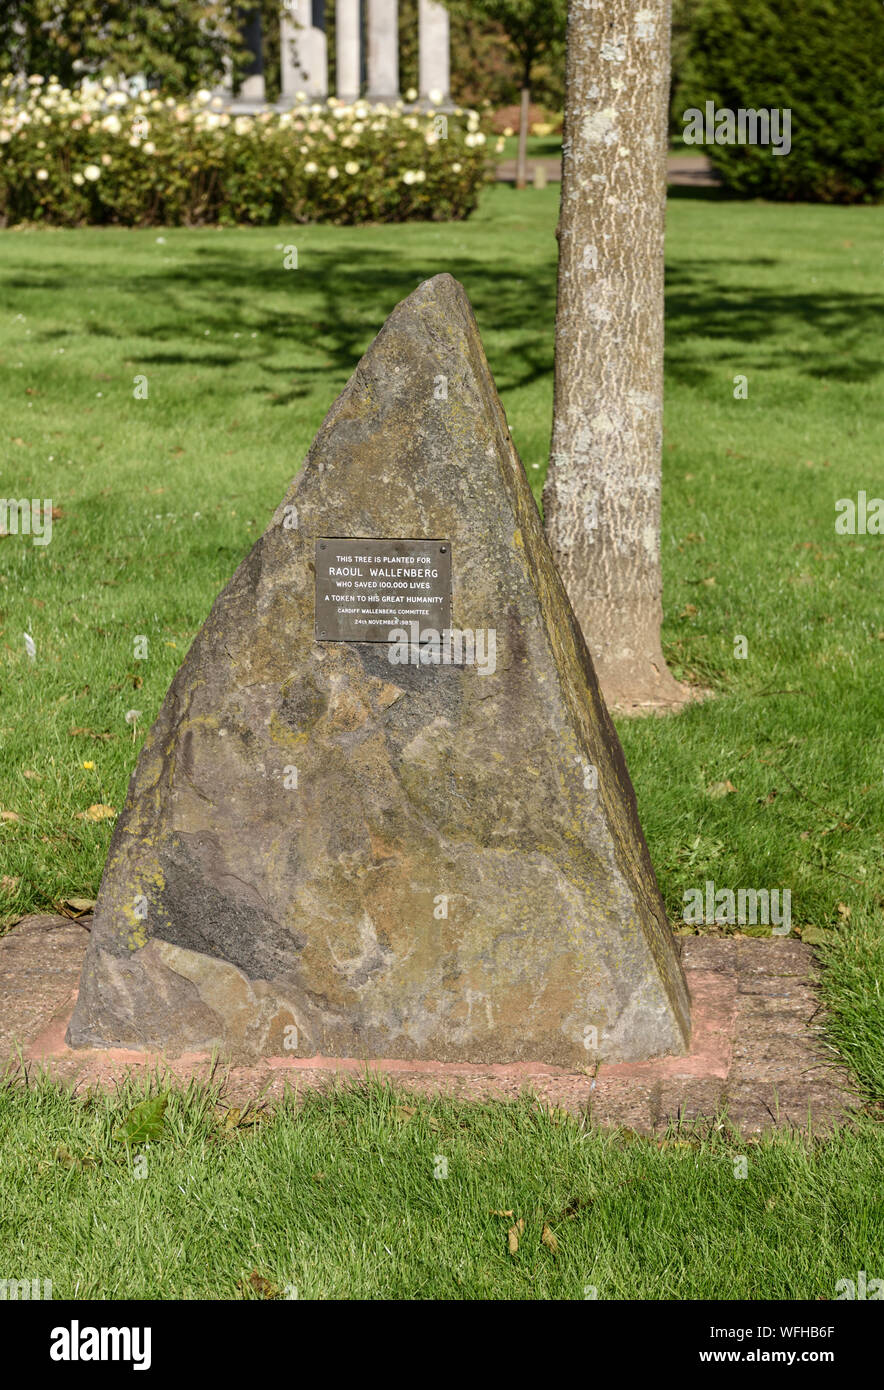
[96, 812]
[257, 1286]
[815, 936]
[549, 1240]
[512, 1236]
[76, 907]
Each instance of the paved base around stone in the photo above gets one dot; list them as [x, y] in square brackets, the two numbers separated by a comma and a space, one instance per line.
[757, 1055]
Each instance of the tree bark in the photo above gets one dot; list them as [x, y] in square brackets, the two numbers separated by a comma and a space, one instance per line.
[602, 494]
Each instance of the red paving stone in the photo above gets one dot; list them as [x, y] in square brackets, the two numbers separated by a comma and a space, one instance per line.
[757, 1052]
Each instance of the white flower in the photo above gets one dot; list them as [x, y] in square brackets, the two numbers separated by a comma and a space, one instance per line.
[111, 124]
[203, 96]
[92, 172]
[117, 99]
[436, 97]
[351, 167]
[77, 179]
[132, 716]
[310, 167]
[149, 147]
[409, 176]
[36, 80]
[411, 94]
[456, 168]
[42, 174]
[332, 171]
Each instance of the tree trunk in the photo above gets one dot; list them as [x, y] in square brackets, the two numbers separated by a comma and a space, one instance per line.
[602, 495]
[521, 162]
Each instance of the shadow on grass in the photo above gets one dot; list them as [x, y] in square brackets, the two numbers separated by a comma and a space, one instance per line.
[334, 308]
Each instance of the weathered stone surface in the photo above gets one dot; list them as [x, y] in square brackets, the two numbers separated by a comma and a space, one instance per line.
[234, 906]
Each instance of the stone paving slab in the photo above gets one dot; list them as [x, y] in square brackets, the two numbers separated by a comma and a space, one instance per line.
[757, 1052]
[40, 960]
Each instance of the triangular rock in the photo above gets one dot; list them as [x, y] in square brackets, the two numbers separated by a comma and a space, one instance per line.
[326, 852]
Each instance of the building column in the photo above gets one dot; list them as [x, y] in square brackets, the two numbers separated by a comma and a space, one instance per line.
[252, 88]
[303, 50]
[383, 50]
[434, 55]
[348, 45]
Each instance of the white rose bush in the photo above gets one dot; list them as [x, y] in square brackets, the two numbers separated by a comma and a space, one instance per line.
[102, 153]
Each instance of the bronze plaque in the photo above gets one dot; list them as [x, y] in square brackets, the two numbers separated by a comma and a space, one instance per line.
[367, 587]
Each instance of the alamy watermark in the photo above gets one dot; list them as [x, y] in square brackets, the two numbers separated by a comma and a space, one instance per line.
[76, 1343]
[24, 517]
[864, 517]
[15, 1289]
[746, 126]
[747, 907]
[453, 646]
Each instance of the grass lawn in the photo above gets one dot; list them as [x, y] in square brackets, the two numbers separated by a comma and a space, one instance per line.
[372, 1194]
[160, 498]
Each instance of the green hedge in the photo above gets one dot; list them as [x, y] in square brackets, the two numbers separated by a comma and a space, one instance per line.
[821, 59]
[101, 154]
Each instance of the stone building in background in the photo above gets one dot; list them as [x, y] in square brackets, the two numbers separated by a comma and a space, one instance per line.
[366, 53]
